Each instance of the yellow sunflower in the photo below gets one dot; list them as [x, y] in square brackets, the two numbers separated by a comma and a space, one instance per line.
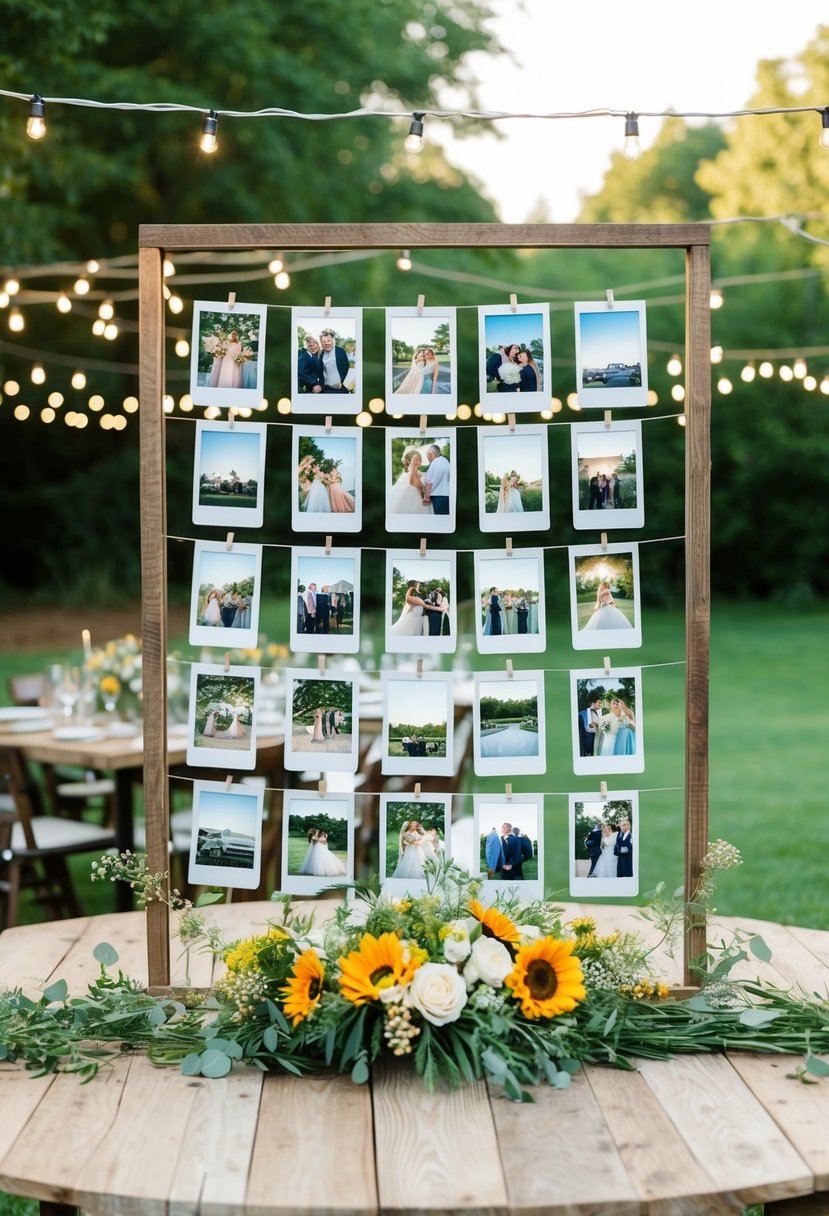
[378, 963]
[303, 991]
[547, 978]
[495, 923]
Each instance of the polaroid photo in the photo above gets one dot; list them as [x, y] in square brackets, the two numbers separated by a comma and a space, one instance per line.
[413, 830]
[421, 361]
[326, 360]
[229, 474]
[607, 475]
[226, 841]
[508, 723]
[329, 473]
[421, 609]
[604, 850]
[326, 588]
[611, 354]
[421, 481]
[514, 358]
[227, 360]
[605, 604]
[221, 729]
[509, 834]
[317, 841]
[226, 594]
[607, 719]
[509, 593]
[418, 725]
[322, 725]
[513, 483]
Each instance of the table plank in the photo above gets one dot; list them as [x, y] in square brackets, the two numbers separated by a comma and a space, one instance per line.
[552, 1151]
[30, 954]
[313, 1149]
[20, 1095]
[435, 1153]
[792, 963]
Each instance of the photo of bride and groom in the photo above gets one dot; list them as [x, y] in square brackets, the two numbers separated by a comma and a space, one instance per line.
[326, 360]
[602, 844]
[608, 727]
[322, 723]
[509, 841]
[420, 486]
[420, 607]
[326, 613]
[513, 356]
[512, 480]
[419, 363]
[225, 366]
[222, 717]
[316, 842]
[328, 480]
[224, 594]
[415, 832]
[510, 591]
[607, 475]
[604, 596]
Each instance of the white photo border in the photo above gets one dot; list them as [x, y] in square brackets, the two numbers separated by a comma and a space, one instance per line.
[513, 521]
[510, 643]
[338, 762]
[526, 889]
[418, 766]
[609, 517]
[613, 888]
[309, 884]
[518, 402]
[606, 639]
[599, 765]
[226, 638]
[425, 644]
[324, 643]
[328, 521]
[231, 758]
[424, 524]
[422, 403]
[199, 874]
[623, 396]
[229, 517]
[228, 398]
[413, 886]
[349, 403]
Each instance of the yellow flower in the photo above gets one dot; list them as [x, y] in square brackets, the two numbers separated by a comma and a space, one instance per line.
[547, 978]
[378, 963]
[583, 925]
[494, 923]
[303, 991]
[110, 684]
[244, 956]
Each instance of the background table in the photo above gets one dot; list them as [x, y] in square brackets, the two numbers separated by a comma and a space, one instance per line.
[695, 1136]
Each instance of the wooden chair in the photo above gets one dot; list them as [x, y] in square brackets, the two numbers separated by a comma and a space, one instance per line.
[34, 846]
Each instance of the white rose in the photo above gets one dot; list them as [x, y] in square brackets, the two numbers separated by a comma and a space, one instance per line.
[456, 946]
[529, 933]
[491, 962]
[392, 996]
[438, 993]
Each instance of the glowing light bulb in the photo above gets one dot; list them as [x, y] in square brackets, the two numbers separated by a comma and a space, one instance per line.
[96, 402]
[275, 265]
[282, 280]
[92, 267]
[12, 287]
[724, 385]
[799, 369]
[809, 383]
[55, 400]
[785, 372]
[168, 269]
[766, 369]
[208, 142]
[185, 403]
[98, 328]
[21, 412]
[78, 380]
[81, 287]
[47, 414]
[716, 354]
[130, 405]
[64, 304]
[106, 310]
[376, 405]
[16, 321]
[4, 299]
[36, 123]
[175, 304]
[652, 397]
[182, 348]
[678, 392]
[38, 374]
[414, 140]
[716, 299]
[632, 149]
[674, 367]
[111, 331]
[748, 373]
[404, 262]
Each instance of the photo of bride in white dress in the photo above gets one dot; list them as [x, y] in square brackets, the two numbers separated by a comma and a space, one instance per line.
[408, 492]
[319, 861]
[604, 596]
[420, 612]
[412, 834]
[606, 614]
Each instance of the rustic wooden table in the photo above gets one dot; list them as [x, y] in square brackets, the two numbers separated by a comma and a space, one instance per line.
[695, 1135]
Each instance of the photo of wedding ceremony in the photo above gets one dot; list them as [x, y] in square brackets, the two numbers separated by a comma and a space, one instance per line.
[229, 474]
[420, 482]
[325, 360]
[509, 723]
[417, 724]
[602, 844]
[604, 596]
[322, 723]
[329, 479]
[413, 831]
[326, 600]
[226, 829]
[513, 357]
[420, 359]
[317, 844]
[225, 594]
[508, 836]
[510, 593]
[607, 721]
[420, 603]
[607, 476]
[512, 480]
[225, 367]
[611, 354]
[222, 716]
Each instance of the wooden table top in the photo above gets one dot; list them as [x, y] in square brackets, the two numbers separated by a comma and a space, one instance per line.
[699, 1134]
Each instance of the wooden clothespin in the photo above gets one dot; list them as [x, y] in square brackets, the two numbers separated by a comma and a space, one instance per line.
[423, 546]
[231, 300]
[510, 672]
[229, 541]
[610, 300]
[603, 789]
[327, 307]
[607, 664]
[328, 542]
[323, 786]
[513, 301]
[608, 418]
[227, 661]
[231, 417]
[329, 422]
[321, 664]
[228, 783]
[421, 301]
[419, 668]
[228, 895]
[423, 421]
[603, 541]
[511, 421]
[508, 791]
[417, 790]
[508, 546]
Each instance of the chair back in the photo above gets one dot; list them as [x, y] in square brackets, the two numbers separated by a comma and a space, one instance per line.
[22, 790]
[28, 689]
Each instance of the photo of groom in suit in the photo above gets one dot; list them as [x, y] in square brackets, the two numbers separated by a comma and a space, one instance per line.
[335, 365]
[593, 844]
[588, 720]
[494, 850]
[623, 850]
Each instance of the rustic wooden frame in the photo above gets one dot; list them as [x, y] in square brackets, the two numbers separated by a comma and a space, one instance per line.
[155, 240]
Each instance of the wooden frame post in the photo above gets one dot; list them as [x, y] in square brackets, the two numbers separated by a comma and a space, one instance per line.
[156, 239]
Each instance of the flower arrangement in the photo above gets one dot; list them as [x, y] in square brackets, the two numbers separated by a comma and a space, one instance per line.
[510, 373]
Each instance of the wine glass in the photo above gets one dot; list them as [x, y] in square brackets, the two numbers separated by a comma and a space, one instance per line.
[66, 682]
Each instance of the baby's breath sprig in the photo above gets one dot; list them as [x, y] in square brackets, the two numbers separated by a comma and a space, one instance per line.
[131, 868]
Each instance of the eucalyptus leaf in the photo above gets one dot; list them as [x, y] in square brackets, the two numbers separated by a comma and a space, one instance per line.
[157, 1016]
[759, 949]
[759, 1017]
[699, 1004]
[817, 1067]
[359, 1073]
[215, 1063]
[568, 1065]
[191, 1064]
[330, 1039]
[105, 954]
[210, 897]
[611, 1022]
[562, 1080]
[56, 992]
[270, 1038]
[494, 1064]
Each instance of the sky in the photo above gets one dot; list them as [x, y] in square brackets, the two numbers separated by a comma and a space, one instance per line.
[222, 451]
[644, 55]
[417, 703]
[502, 453]
[238, 812]
[221, 568]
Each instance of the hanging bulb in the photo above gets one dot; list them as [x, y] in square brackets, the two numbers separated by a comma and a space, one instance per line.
[12, 287]
[748, 373]
[716, 354]
[36, 123]
[632, 149]
[168, 269]
[78, 380]
[182, 348]
[98, 327]
[276, 264]
[824, 134]
[208, 142]
[81, 286]
[38, 374]
[404, 262]
[92, 267]
[766, 369]
[64, 304]
[414, 140]
[282, 281]
[16, 322]
[716, 300]
[106, 310]
[799, 368]
[674, 367]
[175, 304]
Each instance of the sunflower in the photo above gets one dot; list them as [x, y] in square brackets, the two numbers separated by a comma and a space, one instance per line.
[303, 991]
[547, 978]
[495, 923]
[378, 963]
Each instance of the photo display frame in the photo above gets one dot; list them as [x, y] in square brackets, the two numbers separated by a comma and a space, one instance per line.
[227, 354]
[611, 354]
[513, 479]
[229, 474]
[326, 360]
[226, 838]
[514, 358]
[604, 844]
[328, 463]
[413, 829]
[499, 859]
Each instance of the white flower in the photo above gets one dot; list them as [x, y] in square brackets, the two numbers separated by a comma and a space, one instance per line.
[391, 996]
[438, 993]
[510, 373]
[456, 946]
[491, 963]
[529, 933]
[358, 912]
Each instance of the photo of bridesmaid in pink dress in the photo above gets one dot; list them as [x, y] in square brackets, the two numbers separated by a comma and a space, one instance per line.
[226, 367]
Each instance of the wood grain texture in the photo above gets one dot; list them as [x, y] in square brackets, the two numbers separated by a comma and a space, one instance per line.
[422, 236]
[20, 1096]
[154, 594]
[313, 1149]
[568, 1165]
[437, 1152]
[697, 575]
[30, 954]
